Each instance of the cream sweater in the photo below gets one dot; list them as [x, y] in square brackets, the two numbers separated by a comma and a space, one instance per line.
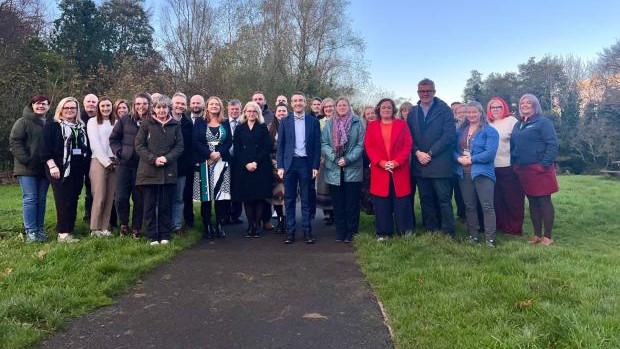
[504, 128]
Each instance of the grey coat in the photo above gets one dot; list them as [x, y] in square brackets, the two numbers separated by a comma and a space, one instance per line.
[352, 154]
[152, 141]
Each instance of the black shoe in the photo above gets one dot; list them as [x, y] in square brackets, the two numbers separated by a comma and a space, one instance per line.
[220, 233]
[289, 240]
[249, 233]
[491, 243]
[258, 232]
[473, 240]
[308, 238]
[208, 232]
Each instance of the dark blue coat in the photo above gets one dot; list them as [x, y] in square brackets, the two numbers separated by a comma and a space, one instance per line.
[534, 142]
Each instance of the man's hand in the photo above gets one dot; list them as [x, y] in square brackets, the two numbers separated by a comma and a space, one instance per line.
[423, 157]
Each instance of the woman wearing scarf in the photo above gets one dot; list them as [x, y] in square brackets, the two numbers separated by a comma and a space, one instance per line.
[342, 145]
[159, 143]
[388, 144]
[323, 197]
[65, 158]
[212, 140]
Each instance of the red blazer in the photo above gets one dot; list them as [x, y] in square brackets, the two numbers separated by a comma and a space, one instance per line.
[401, 144]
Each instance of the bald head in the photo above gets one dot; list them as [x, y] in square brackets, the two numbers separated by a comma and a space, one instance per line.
[90, 104]
[197, 104]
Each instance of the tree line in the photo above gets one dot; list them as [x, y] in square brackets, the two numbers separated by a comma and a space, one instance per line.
[583, 100]
[229, 50]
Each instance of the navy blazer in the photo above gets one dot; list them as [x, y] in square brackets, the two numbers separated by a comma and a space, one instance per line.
[286, 142]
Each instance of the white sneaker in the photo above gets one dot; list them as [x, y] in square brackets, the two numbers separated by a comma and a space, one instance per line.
[106, 233]
[382, 238]
[66, 237]
[154, 243]
[100, 233]
[164, 242]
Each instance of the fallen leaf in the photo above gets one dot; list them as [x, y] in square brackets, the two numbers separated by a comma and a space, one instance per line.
[41, 254]
[314, 316]
[524, 304]
[6, 272]
[139, 295]
[166, 277]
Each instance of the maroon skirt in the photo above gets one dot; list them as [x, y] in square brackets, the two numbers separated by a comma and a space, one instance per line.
[536, 180]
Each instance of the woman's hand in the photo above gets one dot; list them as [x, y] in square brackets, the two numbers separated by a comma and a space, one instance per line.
[215, 156]
[55, 172]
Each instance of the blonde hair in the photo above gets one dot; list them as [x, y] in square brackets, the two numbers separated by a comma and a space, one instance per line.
[61, 104]
[221, 115]
[255, 106]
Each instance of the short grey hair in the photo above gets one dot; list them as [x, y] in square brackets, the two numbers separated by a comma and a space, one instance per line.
[427, 81]
[162, 100]
[234, 102]
[535, 103]
[180, 94]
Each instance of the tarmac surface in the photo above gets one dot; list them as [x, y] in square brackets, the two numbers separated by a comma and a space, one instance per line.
[242, 293]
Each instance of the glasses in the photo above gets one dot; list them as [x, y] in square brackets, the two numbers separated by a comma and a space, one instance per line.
[497, 107]
[42, 104]
[423, 92]
[69, 108]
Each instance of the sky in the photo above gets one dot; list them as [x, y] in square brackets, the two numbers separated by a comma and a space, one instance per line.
[408, 40]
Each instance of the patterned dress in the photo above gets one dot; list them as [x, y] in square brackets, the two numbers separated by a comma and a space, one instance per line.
[218, 175]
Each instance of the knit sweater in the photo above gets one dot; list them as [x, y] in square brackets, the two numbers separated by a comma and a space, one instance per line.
[99, 137]
[504, 128]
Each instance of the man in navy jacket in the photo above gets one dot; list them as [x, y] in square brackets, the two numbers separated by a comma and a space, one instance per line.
[298, 156]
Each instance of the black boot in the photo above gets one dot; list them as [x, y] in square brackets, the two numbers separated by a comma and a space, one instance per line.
[280, 228]
[249, 233]
[220, 231]
[207, 232]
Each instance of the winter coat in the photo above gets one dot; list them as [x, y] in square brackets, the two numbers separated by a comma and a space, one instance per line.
[152, 141]
[123, 141]
[25, 143]
[534, 142]
[352, 154]
[434, 134]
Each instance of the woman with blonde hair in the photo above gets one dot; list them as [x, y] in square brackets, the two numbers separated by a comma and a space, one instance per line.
[254, 171]
[323, 197]
[64, 155]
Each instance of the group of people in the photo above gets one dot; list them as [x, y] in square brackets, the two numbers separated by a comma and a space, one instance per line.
[165, 153]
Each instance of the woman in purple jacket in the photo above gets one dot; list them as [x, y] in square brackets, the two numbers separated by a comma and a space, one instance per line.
[533, 148]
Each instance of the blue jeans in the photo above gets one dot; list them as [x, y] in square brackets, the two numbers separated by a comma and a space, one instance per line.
[34, 194]
[298, 174]
[178, 204]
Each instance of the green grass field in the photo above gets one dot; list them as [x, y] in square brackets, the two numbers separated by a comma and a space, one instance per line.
[437, 293]
[44, 285]
[443, 294]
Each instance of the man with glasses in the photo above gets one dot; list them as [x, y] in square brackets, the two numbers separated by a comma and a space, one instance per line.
[122, 143]
[432, 127]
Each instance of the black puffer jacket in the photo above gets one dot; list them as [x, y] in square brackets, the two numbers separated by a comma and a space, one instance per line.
[123, 140]
[155, 140]
[25, 142]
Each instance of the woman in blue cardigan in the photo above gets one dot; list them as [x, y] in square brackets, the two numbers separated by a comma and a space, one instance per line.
[476, 146]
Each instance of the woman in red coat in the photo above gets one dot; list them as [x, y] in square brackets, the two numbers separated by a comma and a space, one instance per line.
[388, 144]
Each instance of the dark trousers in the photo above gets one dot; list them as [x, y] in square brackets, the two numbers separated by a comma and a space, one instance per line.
[299, 174]
[188, 199]
[126, 188]
[88, 198]
[390, 209]
[441, 189]
[509, 201]
[479, 192]
[158, 210]
[346, 201]
[458, 197]
[222, 209]
[236, 208]
[66, 195]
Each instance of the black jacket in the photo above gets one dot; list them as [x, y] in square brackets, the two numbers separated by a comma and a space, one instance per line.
[201, 146]
[186, 162]
[436, 134]
[152, 141]
[123, 141]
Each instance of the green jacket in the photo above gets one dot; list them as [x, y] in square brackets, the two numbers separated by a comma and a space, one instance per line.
[352, 154]
[24, 142]
[152, 141]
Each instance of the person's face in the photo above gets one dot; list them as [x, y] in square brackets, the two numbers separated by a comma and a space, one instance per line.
[281, 112]
[281, 99]
[251, 115]
[426, 93]
[41, 108]
[497, 109]
[105, 108]
[369, 114]
[386, 111]
[259, 98]
[213, 106]
[179, 105]
[328, 109]
[460, 113]
[404, 112]
[141, 106]
[161, 112]
[197, 105]
[473, 115]
[342, 107]
[234, 110]
[526, 107]
[69, 111]
[90, 104]
[316, 106]
[122, 110]
[299, 103]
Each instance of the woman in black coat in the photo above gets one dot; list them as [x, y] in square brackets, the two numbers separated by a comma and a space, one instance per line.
[254, 173]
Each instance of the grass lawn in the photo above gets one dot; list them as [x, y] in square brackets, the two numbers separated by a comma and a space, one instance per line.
[44, 285]
[443, 294]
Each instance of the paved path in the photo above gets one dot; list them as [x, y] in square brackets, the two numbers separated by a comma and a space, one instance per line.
[242, 293]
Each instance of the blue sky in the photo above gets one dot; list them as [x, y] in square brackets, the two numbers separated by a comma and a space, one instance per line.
[407, 40]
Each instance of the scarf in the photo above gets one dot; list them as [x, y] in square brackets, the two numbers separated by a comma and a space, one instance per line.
[70, 130]
[341, 125]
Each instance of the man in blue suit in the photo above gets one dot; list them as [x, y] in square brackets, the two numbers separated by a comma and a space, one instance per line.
[298, 156]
